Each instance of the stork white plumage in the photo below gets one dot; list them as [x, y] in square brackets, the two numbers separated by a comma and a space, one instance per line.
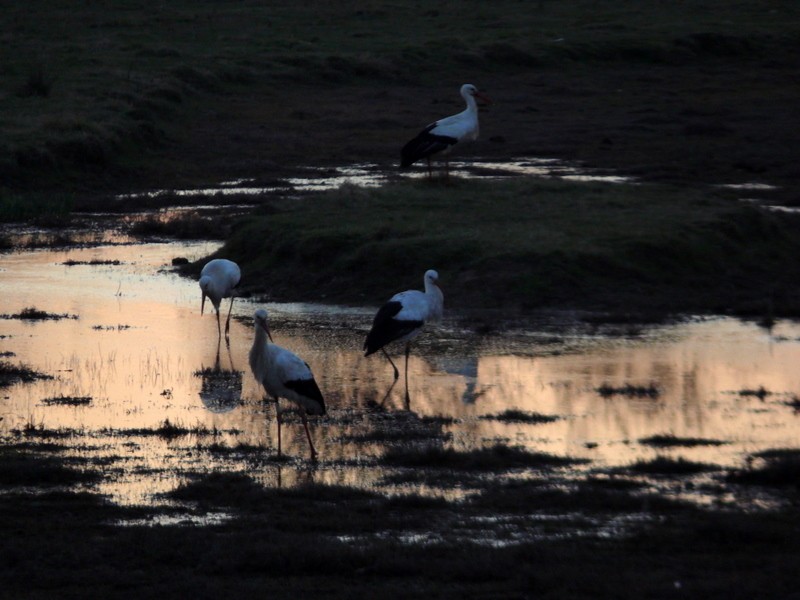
[284, 375]
[443, 135]
[402, 318]
[218, 279]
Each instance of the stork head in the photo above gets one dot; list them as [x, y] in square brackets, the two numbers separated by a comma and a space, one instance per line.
[260, 320]
[431, 276]
[470, 90]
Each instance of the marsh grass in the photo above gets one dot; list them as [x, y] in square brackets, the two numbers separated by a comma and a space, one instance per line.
[779, 468]
[629, 390]
[520, 416]
[761, 393]
[94, 262]
[671, 441]
[119, 327]
[662, 465]
[50, 209]
[184, 227]
[11, 374]
[358, 543]
[169, 430]
[495, 458]
[20, 467]
[68, 401]
[32, 313]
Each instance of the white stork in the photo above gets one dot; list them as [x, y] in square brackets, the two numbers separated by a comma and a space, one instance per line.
[284, 375]
[401, 319]
[444, 134]
[218, 279]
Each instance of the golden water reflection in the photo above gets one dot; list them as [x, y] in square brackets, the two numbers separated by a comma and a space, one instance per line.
[149, 362]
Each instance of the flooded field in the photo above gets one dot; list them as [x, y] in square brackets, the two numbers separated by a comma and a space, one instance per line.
[141, 390]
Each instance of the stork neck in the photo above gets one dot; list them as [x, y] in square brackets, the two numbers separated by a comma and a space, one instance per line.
[472, 104]
[435, 300]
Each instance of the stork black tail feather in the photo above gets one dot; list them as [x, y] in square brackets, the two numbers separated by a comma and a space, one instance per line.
[423, 146]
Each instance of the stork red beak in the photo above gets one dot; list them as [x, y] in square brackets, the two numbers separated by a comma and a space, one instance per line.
[266, 329]
[483, 97]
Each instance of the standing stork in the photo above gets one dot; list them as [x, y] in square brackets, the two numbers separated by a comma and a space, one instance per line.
[401, 319]
[444, 134]
[284, 375]
[218, 279]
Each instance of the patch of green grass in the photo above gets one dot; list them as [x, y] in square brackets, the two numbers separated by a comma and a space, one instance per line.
[523, 243]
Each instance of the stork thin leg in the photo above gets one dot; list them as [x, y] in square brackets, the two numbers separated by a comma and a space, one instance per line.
[388, 392]
[408, 399]
[394, 366]
[308, 435]
[278, 419]
[430, 173]
[219, 327]
[228, 322]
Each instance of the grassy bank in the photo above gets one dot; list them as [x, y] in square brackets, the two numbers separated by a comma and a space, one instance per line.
[91, 97]
[525, 244]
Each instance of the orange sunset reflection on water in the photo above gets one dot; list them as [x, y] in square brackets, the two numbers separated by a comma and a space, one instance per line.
[139, 357]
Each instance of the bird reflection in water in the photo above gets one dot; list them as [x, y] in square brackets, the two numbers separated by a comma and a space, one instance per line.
[221, 389]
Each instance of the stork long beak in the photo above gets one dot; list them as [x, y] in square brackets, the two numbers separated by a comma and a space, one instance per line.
[266, 329]
[202, 305]
[484, 97]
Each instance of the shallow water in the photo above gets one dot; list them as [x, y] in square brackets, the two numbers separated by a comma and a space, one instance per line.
[316, 179]
[159, 399]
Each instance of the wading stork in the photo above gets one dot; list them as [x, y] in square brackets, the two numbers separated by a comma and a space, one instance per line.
[402, 318]
[284, 375]
[218, 279]
[442, 135]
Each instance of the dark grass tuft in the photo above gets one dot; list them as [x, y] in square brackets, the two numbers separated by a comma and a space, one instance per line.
[761, 393]
[185, 227]
[669, 466]
[68, 401]
[496, 458]
[11, 374]
[73, 263]
[670, 441]
[527, 496]
[629, 390]
[19, 467]
[38, 84]
[520, 416]
[32, 313]
[779, 468]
